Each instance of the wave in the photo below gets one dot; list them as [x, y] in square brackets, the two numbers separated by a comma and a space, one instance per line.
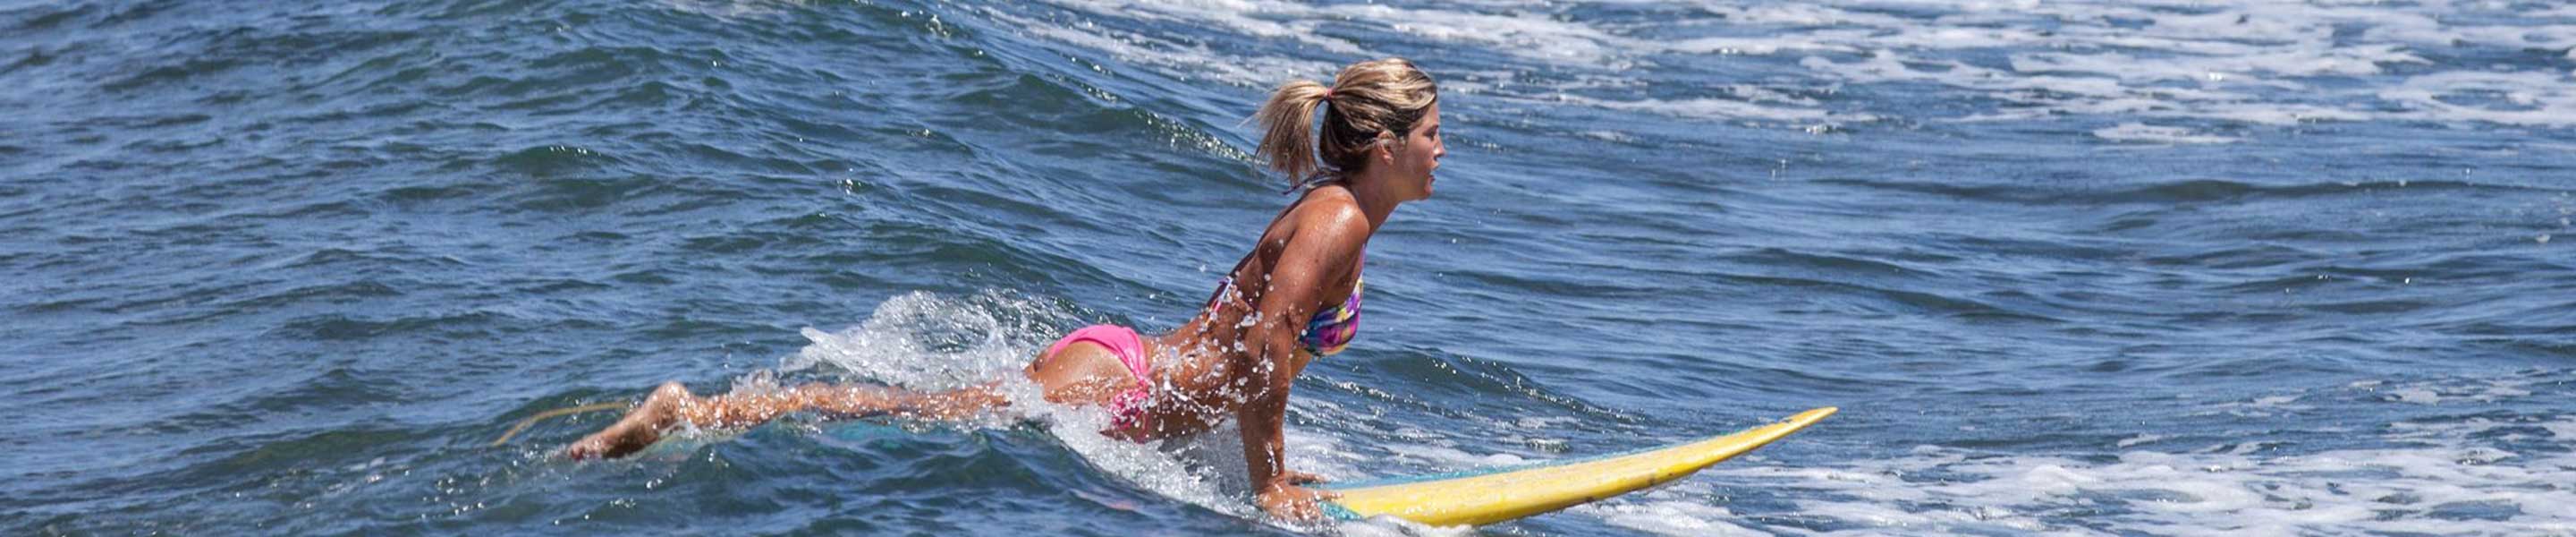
[2267, 64]
[2479, 472]
[2186, 191]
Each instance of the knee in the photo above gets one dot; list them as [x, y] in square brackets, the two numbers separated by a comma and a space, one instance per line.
[668, 393]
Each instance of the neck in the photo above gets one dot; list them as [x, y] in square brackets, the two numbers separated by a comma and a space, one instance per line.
[1371, 189]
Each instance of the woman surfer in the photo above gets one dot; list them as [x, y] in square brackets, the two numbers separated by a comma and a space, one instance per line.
[1293, 298]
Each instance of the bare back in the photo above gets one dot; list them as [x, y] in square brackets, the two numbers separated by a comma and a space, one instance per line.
[1201, 361]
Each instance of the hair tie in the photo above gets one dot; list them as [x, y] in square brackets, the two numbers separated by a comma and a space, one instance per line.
[1328, 93]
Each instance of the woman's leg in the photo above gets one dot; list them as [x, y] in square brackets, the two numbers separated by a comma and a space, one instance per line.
[639, 428]
[671, 404]
[1080, 373]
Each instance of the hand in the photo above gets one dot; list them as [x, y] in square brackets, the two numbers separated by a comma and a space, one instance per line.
[1295, 503]
[1301, 478]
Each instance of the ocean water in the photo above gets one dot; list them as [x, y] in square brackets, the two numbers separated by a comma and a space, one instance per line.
[2157, 267]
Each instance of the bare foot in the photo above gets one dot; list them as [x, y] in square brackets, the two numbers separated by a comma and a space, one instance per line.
[638, 429]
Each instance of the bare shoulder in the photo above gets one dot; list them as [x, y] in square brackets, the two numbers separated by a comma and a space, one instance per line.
[1334, 215]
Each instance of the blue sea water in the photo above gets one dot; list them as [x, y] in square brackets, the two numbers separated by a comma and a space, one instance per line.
[2154, 267]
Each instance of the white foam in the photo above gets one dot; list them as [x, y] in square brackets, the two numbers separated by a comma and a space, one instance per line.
[2442, 391]
[2238, 488]
[2195, 494]
[1189, 61]
[925, 340]
[1531, 36]
[929, 341]
[2138, 132]
[2139, 439]
[1716, 108]
[2252, 61]
[1201, 470]
[2530, 98]
[2237, 55]
[1438, 456]
[1681, 510]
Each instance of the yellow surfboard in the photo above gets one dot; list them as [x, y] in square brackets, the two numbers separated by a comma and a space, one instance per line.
[1493, 495]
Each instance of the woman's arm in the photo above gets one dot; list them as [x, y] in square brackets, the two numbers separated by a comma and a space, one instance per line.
[1324, 245]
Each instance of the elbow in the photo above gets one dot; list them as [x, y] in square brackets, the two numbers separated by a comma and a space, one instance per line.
[1267, 365]
[1279, 365]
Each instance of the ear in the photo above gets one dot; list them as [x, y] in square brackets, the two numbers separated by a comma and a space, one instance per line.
[1385, 148]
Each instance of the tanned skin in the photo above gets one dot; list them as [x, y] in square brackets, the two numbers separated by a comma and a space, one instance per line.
[1307, 260]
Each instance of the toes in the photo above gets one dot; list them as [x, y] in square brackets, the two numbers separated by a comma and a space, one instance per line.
[586, 449]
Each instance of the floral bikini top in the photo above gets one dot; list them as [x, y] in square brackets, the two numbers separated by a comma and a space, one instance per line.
[1331, 329]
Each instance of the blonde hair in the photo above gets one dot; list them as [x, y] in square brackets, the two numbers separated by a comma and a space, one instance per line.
[1369, 102]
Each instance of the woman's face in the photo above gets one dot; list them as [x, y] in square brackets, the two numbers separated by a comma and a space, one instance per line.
[1419, 154]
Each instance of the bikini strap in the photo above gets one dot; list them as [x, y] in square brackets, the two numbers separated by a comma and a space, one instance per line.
[1309, 184]
[1256, 249]
[1265, 230]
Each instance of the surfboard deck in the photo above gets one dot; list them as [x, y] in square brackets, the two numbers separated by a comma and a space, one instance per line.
[1492, 495]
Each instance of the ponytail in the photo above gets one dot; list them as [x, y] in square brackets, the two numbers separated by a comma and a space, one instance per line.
[1288, 128]
[1372, 101]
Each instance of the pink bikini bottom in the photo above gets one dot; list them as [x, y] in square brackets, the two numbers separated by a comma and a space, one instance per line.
[1127, 409]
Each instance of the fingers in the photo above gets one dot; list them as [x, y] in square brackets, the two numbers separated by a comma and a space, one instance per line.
[1306, 511]
[1304, 478]
[1297, 503]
